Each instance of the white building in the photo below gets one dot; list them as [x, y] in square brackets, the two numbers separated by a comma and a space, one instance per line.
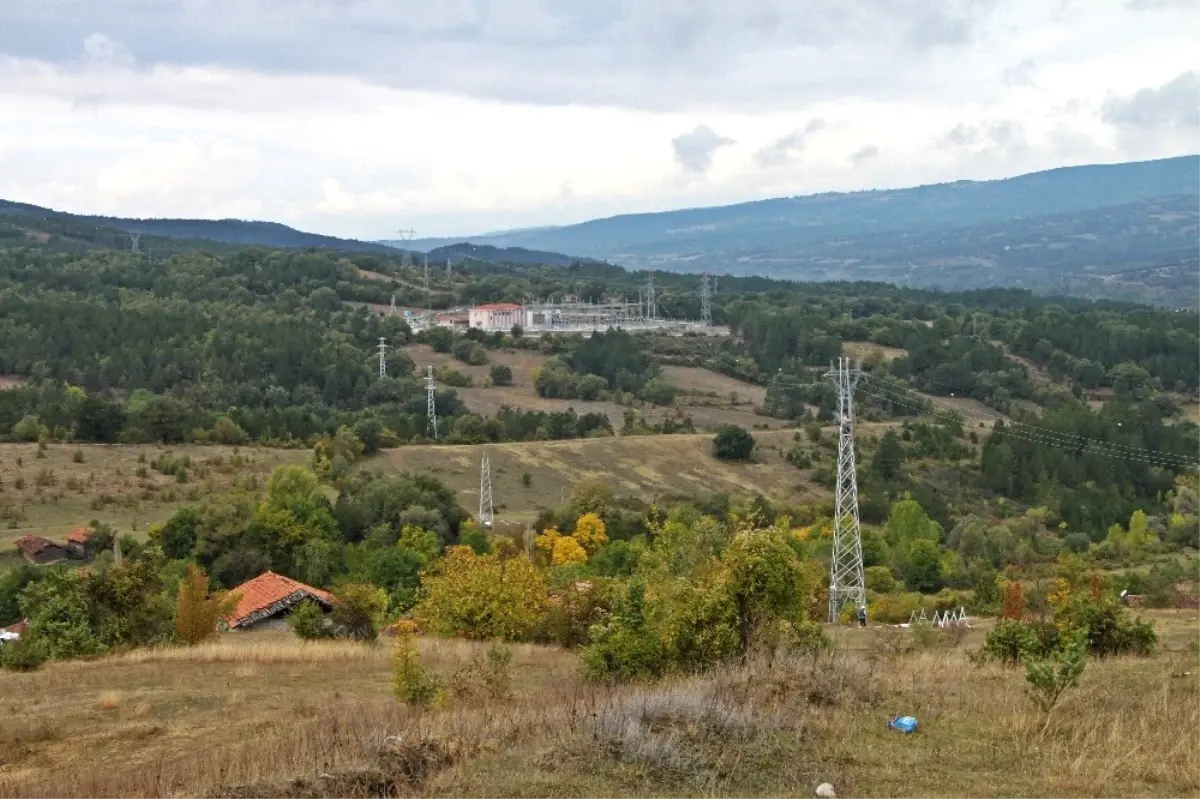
[497, 316]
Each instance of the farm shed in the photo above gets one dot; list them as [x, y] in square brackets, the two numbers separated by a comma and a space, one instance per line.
[269, 595]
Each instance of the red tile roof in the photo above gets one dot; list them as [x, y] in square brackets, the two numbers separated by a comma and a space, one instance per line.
[497, 306]
[20, 628]
[34, 544]
[79, 535]
[269, 588]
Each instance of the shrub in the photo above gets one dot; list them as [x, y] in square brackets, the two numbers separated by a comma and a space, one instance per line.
[307, 620]
[487, 679]
[411, 683]
[196, 613]
[27, 654]
[77, 456]
[358, 611]
[1009, 642]
[1049, 678]
[799, 457]
[623, 647]
[501, 375]
[733, 443]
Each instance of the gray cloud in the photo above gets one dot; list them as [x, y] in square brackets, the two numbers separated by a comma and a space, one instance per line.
[694, 150]
[864, 154]
[999, 134]
[787, 147]
[1173, 106]
[668, 54]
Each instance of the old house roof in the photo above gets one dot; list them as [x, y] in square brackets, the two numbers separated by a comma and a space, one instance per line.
[18, 629]
[497, 306]
[268, 594]
[33, 545]
[79, 535]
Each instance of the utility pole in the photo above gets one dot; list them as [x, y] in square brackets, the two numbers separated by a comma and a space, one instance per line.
[430, 411]
[449, 272]
[382, 357]
[134, 238]
[486, 513]
[705, 302]
[846, 582]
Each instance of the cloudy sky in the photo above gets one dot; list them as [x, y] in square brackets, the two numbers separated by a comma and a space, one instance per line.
[360, 117]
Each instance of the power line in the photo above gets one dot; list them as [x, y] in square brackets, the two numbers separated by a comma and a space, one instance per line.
[1052, 438]
[1067, 439]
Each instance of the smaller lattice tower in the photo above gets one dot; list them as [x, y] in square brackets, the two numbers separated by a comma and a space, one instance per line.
[486, 512]
[430, 409]
[134, 237]
[705, 302]
[382, 357]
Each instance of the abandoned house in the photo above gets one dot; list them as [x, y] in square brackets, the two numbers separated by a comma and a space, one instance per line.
[36, 549]
[268, 598]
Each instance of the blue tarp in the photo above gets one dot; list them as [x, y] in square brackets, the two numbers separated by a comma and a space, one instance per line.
[903, 724]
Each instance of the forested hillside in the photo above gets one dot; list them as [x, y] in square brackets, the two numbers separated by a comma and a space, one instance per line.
[226, 231]
[1120, 231]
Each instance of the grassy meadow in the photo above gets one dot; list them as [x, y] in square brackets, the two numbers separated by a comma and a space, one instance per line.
[263, 714]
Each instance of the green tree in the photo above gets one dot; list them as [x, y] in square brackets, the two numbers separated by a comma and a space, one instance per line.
[501, 375]
[733, 443]
[482, 596]
[923, 566]
[888, 462]
[307, 620]
[359, 611]
[197, 613]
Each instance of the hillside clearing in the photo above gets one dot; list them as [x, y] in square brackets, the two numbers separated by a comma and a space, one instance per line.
[707, 412]
[641, 466]
[51, 495]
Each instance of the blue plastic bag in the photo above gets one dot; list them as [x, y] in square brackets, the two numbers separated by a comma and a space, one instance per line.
[903, 724]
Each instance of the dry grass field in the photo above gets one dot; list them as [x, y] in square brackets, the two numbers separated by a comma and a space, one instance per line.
[706, 395]
[62, 490]
[642, 466]
[262, 714]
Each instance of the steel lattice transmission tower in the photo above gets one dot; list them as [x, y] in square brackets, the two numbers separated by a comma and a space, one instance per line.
[651, 305]
[705, 302]
[430, 410]
[382, 357]
[133, 237]
[846, 583]
[486, 512]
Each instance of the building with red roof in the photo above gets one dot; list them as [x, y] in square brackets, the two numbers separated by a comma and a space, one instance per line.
[36, 549]
[77, 540]
[269, 595]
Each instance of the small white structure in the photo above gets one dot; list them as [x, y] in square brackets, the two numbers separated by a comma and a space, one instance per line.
[497, 316]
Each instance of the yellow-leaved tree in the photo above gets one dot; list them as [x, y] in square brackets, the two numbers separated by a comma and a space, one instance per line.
[590, 532]
[567, 551]
[481, 596]
[197, 613]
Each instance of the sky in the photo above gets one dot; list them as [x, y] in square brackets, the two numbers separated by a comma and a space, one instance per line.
[359, 118]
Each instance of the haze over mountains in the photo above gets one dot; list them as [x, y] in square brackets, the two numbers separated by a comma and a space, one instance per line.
[1124, 231]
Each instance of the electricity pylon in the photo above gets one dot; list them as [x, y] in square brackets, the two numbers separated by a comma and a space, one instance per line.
[486, 513]
[133, 237]
[382, 357]
[430, 410]
[846, 583]
[705, 302]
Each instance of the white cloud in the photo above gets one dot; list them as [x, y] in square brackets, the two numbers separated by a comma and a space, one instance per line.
[355, 117]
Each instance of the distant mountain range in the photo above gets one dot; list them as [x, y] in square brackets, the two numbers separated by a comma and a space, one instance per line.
[461, 251]
[1042, 230]
[226, 231]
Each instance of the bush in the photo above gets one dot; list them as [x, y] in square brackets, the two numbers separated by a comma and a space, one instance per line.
[501, 375]
[411, 683]
[733, 443]
[481, 596]
[799, 458]
[24, 655]
[358, 611]
[1009, 642]
[307, 620]
[1049, 678]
